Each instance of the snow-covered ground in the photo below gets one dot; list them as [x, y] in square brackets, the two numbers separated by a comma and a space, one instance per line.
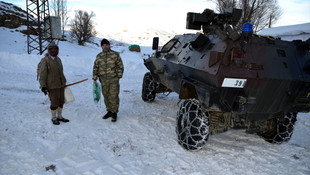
[141, 142]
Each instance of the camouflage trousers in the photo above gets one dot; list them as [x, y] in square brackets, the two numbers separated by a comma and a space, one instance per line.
[110, 92]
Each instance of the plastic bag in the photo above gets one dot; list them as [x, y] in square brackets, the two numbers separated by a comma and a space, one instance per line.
[96, 93]
[68, 95]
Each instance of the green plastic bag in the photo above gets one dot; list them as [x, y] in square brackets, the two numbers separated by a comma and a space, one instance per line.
[96, 93]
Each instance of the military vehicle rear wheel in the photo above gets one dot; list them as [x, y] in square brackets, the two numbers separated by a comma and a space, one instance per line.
[192, 125]
[148, 88]
[280, 130]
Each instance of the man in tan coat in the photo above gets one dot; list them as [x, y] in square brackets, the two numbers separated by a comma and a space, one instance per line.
[53, 81]
[108, 67]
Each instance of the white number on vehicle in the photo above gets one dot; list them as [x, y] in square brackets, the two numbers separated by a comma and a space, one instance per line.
[234, 82]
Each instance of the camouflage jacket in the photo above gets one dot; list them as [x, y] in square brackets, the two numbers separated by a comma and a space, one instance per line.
[51, 74]
[108, 65]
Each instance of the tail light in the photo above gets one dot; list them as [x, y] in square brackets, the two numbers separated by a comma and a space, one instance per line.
[237, 54]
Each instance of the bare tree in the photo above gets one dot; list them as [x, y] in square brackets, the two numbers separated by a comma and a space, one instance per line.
[261, 13]
[59, 8]
[82, 26]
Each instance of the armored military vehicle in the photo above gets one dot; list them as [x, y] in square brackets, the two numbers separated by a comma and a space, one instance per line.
[228, 79]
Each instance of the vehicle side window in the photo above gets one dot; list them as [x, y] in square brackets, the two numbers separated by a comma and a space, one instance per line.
[169, 45]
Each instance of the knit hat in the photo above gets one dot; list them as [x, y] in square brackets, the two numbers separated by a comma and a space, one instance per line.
[52, 45]
[104, 41]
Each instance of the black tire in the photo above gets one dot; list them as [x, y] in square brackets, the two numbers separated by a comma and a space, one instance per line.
[280, 130]
[149, 88]
[192, 125]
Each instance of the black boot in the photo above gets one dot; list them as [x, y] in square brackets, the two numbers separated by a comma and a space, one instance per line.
[63, 120]
[60, 117]
[114, 117]
[55, 122]
[107, 115]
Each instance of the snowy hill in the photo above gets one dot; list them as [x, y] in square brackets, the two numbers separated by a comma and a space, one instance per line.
[12, 16]
[141, 37]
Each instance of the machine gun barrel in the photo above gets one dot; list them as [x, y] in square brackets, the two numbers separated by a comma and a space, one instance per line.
[195, 21]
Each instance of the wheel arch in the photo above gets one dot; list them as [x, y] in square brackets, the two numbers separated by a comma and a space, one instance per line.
[207, 95]
[192, 89]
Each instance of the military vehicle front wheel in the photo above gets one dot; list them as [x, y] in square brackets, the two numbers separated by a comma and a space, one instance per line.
[280, 130]
[149, 88]
[192, 125]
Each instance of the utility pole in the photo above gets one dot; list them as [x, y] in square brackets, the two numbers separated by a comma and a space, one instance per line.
[39, 33]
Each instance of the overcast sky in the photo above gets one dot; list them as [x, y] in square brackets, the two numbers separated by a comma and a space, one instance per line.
[118, 15]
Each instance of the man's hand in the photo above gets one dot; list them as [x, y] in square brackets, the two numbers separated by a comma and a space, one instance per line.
[44, 90]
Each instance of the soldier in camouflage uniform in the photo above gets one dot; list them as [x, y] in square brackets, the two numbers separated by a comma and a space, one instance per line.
[53, 81]
[108, 67]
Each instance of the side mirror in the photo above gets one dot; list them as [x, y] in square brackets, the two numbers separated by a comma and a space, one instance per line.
[155, 43]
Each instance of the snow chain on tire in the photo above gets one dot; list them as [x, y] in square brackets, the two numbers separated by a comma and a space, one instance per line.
[149, 88]
[192, 125]
[282, 129]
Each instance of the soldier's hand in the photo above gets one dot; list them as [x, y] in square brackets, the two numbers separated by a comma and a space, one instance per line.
[44, 90]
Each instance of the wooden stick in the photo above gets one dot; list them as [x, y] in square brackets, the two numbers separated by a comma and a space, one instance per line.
[76, 82]
[67, 86]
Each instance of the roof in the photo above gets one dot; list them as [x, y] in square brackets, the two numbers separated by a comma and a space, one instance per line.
[300, 31]
[287, 30]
